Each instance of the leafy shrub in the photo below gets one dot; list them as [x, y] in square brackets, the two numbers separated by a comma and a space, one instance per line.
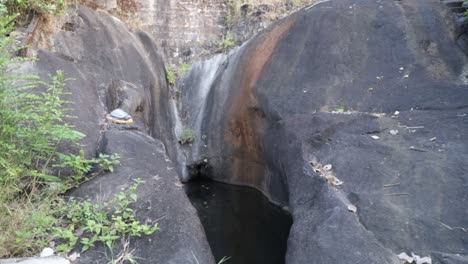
[171, 75]
[72, 223]
[187, 136]
[97, 226]
[24, 7]
[33, 214]
[227, 42]
[183, 69]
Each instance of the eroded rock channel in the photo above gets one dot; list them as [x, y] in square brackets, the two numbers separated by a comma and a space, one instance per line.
[325, 85]
[240, 223]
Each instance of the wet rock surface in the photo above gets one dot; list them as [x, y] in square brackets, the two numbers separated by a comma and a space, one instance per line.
[327, 85]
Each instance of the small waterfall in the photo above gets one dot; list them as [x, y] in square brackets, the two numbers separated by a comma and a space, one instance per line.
[190, 110]
[209, 70]
[205, 73]
[178, 127]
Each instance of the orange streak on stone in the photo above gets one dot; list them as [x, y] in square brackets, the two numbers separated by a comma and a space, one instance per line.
[246, 121]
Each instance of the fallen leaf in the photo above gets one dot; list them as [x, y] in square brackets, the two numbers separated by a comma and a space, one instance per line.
[375, 137]
[393, 132]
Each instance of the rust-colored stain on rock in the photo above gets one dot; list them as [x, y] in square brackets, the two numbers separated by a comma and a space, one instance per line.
[246, 121]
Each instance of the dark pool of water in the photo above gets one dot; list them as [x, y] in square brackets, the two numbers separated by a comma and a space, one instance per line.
[240, 223]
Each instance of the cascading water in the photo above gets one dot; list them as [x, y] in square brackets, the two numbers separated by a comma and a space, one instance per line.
[198, 92]
[240, 222]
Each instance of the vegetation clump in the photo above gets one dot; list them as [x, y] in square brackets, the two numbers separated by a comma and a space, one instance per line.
[40, 7]
[36, 145]
[227, 42]
[187, 136]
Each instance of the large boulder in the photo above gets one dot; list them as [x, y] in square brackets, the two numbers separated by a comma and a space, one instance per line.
[161, 198]
[113, 67]
[377, 89]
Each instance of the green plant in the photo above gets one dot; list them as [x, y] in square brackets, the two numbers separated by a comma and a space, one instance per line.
[33, 131]
[171, 75]
[187, 136]
[81, 166]
[97, 226]
[42, 7]
[74, 222]
[227, 42]
[340, 109]
[184, 67]
[232, 12]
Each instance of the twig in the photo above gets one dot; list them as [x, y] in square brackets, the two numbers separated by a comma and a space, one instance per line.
[446, 226]
[414, 127]
[396, 194]
[416, 149]
[392, 184]
[196, 260]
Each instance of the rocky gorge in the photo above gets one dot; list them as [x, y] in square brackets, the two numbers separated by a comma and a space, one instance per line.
[351, 115]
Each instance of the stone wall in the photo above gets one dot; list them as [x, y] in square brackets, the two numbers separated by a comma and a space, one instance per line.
[183, 27]
[188, 30]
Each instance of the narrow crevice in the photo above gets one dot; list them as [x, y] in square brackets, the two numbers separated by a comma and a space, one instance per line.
[240, 223]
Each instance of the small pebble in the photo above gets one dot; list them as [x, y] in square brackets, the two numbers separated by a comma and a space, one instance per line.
[47, 252]
[352, 208]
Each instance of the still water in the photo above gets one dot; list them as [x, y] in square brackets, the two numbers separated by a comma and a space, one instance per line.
[240, 223]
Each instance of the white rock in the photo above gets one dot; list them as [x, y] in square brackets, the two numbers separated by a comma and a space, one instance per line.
[352, 208]
[396, 113]
[393, 132]
[405, 257]
[375, 137]
[419, 260]
[74, 256]
[47, 252]
[36, 260]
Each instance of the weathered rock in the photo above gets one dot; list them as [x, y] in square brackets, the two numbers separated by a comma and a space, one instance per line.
[270, 110]
[161, 198]
[42, 260]
[114, 67]
[189, 30]
[111, 67]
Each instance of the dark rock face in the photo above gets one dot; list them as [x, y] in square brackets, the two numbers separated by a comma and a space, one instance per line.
[270, 111]
[181, 238]
[114, 67]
